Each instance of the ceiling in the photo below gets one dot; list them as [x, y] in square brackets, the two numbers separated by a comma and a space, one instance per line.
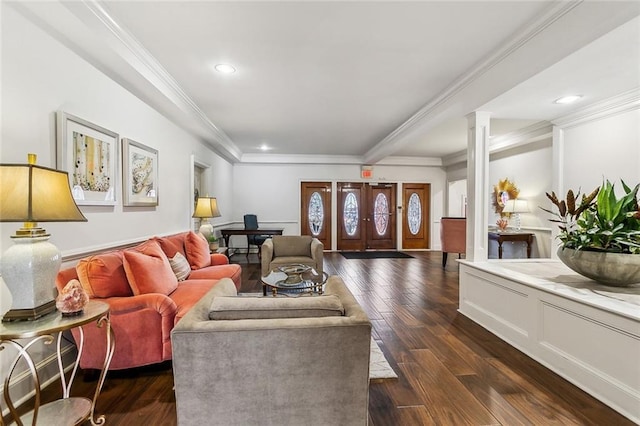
[359, 81]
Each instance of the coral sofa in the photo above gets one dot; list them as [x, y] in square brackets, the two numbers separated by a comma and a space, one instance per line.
[148, 288]
[273, 361]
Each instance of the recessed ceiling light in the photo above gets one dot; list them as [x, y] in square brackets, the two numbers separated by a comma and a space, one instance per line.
[225, 68]
[264, 147]
[567, 99]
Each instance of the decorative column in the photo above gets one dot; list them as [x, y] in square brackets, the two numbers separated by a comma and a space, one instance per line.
[477, 186]
[557, 179]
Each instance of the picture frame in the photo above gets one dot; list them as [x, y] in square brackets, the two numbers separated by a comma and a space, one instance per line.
[89, 153]
[139, 174]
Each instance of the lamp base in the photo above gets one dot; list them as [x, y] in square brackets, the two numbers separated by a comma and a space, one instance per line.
[29, 314]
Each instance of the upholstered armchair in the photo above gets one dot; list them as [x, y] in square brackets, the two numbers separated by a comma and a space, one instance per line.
[291, 249]
[453, 235]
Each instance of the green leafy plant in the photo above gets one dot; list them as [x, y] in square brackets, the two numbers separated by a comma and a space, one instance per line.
[212, 239]
[600, 221]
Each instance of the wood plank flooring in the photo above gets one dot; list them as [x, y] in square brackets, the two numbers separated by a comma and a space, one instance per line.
[451, 371]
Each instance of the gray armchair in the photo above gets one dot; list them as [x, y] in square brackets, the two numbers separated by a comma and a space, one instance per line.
[289, 249]
[273, 361]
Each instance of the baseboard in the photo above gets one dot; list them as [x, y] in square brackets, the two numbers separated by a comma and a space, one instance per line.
[21, 387]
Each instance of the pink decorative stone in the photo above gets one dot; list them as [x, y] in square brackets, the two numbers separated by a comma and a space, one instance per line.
[72, 299]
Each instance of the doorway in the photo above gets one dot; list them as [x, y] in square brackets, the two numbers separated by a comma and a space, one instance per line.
[416, 213]
[315, 211]
[366, 216]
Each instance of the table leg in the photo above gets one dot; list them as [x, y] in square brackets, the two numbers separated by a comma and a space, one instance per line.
[499, 249]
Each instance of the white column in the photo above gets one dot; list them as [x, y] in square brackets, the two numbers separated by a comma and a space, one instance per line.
[557, 180]
[477, 185]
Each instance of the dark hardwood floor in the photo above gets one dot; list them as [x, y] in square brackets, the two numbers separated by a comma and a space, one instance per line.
[451, 371]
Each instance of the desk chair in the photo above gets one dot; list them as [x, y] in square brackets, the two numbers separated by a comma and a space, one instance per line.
[251, 222]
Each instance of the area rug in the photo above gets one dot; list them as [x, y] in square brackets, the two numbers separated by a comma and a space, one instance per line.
[375, 255]
[379, 367]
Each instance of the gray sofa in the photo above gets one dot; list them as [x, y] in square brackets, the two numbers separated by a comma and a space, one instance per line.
[283, 250]
[303, 361]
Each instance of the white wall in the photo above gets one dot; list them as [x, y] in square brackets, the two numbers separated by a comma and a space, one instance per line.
[41, 76]
[529, 168]
[608, 148]
[272, 191]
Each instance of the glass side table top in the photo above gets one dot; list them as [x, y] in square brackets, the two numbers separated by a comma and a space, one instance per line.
[294, 279]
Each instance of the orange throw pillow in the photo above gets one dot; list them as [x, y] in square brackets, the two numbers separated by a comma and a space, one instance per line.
[148, 270]
[197, 249]
[103, 275]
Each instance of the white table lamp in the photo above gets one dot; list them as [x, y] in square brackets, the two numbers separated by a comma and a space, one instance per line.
[516, 207]
[32, 194]
[206, 207]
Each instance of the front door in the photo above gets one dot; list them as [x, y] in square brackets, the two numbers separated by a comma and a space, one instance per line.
[367, 218]
[315, 211]
[415, 217]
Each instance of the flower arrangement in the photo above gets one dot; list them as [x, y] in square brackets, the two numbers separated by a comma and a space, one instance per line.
[600, 221]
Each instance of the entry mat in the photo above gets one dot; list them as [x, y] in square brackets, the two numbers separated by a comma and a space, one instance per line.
[375, 255]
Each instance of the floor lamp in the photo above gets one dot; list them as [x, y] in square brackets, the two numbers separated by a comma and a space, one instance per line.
[206, 207]
[32, 194]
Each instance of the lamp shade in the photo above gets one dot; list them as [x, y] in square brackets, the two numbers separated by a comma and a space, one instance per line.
[206, 207]
[31, 193]
[516, 206]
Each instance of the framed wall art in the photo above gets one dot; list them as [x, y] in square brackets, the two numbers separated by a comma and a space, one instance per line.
[139, 174]
[89, 153]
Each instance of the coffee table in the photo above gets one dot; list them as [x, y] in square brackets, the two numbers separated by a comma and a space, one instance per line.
[294, 280]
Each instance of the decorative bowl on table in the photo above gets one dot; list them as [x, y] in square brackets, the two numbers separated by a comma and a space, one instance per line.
[294, 273]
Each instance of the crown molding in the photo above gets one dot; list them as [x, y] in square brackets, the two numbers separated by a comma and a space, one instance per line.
[530, 134]
[139, 58]
[410, 161]
[626, 101]
[300, 159]
[548, 18]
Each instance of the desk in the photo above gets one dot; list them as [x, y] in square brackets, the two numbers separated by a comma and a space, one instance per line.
[228, 232]
[500, 237]
[67, 410]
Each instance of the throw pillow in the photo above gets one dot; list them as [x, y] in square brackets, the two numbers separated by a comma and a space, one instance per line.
[148, 270]
[237, 308]
[103, 275]
[197, 249]
[180, 266]
[172, 244]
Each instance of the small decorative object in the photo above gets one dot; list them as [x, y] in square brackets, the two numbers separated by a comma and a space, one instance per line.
[502, 224]
[600, 235]
[72, 299]
[504, 191]
[139, 174]
[213, 242]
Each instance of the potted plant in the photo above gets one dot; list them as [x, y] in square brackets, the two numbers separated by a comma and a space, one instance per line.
[213, 242]
[600, 235]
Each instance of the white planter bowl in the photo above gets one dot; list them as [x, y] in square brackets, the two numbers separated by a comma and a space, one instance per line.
[615, 269]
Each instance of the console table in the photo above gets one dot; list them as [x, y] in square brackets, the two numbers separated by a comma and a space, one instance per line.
[67, 410]
[501, 237]
[228, 232]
